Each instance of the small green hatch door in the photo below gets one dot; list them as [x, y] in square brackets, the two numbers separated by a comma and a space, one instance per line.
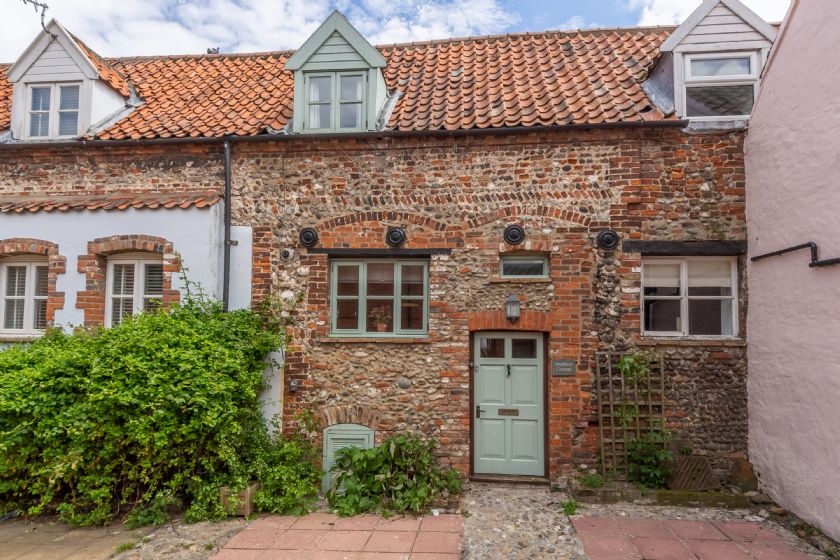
[338, 437]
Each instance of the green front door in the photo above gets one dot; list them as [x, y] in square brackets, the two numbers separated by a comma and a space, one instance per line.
[508, 415]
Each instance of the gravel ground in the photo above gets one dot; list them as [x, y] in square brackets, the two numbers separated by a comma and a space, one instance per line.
[184, 541]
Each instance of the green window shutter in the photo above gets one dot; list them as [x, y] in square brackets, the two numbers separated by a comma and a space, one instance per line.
[338, 437]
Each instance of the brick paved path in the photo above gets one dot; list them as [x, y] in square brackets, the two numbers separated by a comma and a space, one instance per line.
[628, 538]
[323, 536]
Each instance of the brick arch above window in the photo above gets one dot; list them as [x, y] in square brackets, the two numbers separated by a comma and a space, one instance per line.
[17, 246]
[94, 265]
[360, 415]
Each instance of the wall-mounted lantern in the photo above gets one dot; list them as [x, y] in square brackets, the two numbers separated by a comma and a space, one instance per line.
[512, 308]
[294, 385]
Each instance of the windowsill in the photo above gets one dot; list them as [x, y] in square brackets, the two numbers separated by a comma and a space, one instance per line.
[22, 337]
[374, 340]
[500, 280]
[691, 341]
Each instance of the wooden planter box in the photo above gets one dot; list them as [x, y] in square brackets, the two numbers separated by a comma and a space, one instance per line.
[244, 500]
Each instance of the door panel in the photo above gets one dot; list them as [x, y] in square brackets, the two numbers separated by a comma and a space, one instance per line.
[508, 395]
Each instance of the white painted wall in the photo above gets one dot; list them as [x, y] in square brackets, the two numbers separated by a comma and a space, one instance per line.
[793, 326]
[196, 234]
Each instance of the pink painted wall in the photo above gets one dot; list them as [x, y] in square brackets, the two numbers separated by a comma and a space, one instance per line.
[793, 326]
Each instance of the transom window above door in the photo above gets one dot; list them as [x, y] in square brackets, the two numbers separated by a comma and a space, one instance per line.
[335, 101]
[23, 306]
[135, 285]
[693, 296]
[379, 297]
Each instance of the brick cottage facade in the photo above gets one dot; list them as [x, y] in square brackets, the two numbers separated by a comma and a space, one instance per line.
[413, 335]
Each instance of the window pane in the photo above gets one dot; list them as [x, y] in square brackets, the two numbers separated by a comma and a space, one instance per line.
[41, 281]
[123, 282]
[16, 281]
[492, 348]
[411, 314]
[380, 315]
[524, 348]
[380, 279]
[13, 316]
[351, 88]
[413, 279]
[40, 314]
[714, 101]
[347, 280]
[720, 66]
[709, 274]
[319, 116]
[39, 124]
[662, 315]
[351, 115]
[710, 316]
[661, 279]
[320, 89]
[517, 267]
[153, 281]
[152, 304]
[68, 123]
[347, 314]
[40, 99]
[120, 309]
[69, 98]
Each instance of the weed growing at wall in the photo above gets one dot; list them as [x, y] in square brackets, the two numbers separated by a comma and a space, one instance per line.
[160, 410]
[401, 475]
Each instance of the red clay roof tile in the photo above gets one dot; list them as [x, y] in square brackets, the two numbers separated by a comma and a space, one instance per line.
[553, 78]
[117, 201]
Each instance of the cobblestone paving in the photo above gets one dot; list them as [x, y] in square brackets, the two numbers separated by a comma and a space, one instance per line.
[185, 541]
[511, 522]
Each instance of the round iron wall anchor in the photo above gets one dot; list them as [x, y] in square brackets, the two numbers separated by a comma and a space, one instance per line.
[607, 239]
[514, 235]
[308, 237]
[395, 237]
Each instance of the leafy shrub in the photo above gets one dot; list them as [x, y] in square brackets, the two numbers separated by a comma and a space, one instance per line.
[592, 480]
[95, 424]
[648, 459]
[400, 475]
[570, 507]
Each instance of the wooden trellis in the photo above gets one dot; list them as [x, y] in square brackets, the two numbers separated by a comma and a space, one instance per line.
[626, 410]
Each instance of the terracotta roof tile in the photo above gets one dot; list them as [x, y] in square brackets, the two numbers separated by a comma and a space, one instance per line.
[553, 78]
[107, 73]
[117, 201]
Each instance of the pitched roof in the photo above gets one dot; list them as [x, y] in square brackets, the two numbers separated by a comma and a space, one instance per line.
[107, 73]
[552, 78]
[116, 201]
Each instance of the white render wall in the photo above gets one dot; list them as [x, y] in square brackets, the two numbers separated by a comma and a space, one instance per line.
[196, 234]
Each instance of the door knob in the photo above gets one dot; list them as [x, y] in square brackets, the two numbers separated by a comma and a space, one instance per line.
[478, 411]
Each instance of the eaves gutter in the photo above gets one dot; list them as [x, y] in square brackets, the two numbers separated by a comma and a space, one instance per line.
[681, 123]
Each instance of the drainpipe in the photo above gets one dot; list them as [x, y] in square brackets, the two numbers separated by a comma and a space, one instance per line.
[227, 242]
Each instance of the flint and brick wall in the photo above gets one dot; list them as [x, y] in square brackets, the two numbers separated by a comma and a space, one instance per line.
[459, 193]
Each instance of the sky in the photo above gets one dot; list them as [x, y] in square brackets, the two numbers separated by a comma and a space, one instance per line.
[155, 27]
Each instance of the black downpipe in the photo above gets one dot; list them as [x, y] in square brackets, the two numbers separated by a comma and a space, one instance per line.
[227, 242]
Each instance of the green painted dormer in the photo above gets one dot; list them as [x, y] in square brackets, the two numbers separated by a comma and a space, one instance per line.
[339, 86]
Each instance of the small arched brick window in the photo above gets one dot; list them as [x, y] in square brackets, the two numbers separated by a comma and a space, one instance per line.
[28, 296]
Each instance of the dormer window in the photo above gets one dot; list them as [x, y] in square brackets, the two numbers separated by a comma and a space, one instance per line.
[53, 111]
[720, 85]
[336, 101]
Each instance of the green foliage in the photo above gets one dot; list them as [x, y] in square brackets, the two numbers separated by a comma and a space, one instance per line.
[592, 480]
[400, 475]
[635, 368]
[570, 507]
[155, 512]
[161, 407]
[648, 459]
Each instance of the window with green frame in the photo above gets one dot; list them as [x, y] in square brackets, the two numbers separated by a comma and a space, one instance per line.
[335, 101]
[379, 297]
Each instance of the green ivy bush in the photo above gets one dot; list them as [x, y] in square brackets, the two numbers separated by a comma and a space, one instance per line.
[161, 408]
[401, 475]
[649, 460]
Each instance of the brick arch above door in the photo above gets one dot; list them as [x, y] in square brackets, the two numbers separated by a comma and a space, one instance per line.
[496, 320]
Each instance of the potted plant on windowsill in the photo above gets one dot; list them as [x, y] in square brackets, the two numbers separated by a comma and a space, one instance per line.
[381, 315]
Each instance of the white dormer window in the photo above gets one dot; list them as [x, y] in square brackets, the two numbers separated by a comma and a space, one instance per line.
[53, 110]
[720, 85]
[336, 101]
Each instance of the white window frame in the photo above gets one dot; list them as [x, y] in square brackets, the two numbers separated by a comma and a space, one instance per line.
[688, 80]
[139, 296]
[527, 258]
[29, 296]
[335, 100]
[362, 297]
[55, 100]
[684, 297]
